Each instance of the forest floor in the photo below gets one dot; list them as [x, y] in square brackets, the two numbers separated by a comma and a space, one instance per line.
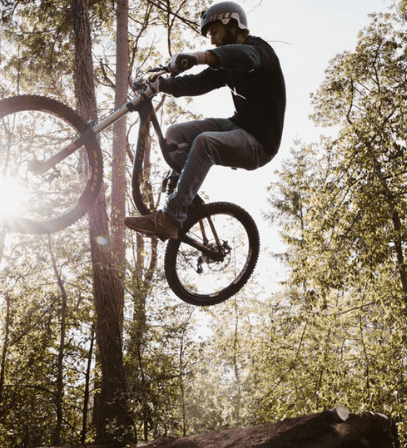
[329, 429]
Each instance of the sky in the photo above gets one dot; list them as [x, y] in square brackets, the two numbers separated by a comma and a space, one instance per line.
[306, 35]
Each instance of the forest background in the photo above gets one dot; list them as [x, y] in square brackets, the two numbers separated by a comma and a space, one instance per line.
[93, 344]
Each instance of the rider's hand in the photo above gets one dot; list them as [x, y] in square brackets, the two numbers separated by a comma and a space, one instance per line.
[154, 82]
[184, 61]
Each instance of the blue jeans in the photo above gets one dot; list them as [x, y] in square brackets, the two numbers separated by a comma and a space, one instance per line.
[201, 144]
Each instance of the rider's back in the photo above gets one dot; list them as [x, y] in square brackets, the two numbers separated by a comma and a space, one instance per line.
[252, 71]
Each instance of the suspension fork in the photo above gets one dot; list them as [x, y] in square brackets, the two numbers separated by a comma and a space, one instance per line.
[214, 233]
[145, 110]
[91, 131]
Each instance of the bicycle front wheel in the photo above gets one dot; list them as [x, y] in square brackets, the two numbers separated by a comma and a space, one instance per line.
[32, 129]
[232, 235]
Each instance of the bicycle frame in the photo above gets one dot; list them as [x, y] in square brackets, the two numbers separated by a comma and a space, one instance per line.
[143, 105]
[42, 167]
[147, 116]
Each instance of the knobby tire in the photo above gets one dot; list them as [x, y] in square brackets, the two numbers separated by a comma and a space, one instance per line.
[180, 258]
[89, 169]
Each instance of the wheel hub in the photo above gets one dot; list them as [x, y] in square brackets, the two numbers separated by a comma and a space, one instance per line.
[217, 262]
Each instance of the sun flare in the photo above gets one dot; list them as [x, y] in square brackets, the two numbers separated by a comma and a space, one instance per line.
[10, 197]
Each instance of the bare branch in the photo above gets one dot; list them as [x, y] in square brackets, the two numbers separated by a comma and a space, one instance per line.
[161, 5]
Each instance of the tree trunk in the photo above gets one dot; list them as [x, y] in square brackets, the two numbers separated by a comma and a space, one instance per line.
[111, 404]
[6, 331]
[87, 388]
[60, 373]
[119, 134]
[142, 277]
[397, 225]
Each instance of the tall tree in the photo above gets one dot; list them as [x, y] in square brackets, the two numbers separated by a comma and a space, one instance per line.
[120, 134]
[346, 244]
[61, 353]
[113, 421]
[365, 93]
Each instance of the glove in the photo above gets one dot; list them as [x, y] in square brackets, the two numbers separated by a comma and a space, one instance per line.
[154, 82]
[184, 61]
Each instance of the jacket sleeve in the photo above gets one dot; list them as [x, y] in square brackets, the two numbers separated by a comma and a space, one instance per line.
[193, 85]
[237, 57]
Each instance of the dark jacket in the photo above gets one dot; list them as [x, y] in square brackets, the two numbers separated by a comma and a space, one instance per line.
[253, 73]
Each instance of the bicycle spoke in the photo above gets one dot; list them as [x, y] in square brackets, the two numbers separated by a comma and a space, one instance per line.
[34, 136]
[206, 277]
[48, 196]
[213, 276]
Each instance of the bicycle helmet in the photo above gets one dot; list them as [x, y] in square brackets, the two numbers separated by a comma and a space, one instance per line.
[223, 12]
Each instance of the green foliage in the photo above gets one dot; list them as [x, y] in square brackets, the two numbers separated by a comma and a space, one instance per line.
[38, 33]
[27, 409]
[343, 208]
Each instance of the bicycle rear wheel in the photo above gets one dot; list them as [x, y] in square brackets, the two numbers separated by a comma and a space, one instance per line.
[201, 280]
[32, 129]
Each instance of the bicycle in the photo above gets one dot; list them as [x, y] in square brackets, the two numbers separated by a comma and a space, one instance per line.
[54, 158]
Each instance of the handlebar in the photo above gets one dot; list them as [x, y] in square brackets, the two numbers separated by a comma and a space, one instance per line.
[160, 68]
[141, 84]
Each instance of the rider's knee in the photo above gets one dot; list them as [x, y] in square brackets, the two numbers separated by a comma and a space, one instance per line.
[206, 143]
[173, 134]
[171, 139]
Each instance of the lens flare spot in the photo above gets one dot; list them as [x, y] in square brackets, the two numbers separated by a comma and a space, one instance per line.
[102, 241]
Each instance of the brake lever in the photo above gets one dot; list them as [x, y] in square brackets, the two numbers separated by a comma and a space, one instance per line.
[141, 84]
[160, 68]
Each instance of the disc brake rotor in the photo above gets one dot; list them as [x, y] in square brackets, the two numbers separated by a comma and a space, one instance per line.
[215, 265]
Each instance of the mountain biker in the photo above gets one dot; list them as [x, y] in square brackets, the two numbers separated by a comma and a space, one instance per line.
[248, 140]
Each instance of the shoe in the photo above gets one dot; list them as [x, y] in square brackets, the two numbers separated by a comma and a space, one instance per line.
[158, 223]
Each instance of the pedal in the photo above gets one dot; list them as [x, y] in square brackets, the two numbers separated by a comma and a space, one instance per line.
[150, 235]
[169, 183]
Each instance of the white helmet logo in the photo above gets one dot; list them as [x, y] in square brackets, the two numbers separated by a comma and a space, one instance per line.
[225, 17]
